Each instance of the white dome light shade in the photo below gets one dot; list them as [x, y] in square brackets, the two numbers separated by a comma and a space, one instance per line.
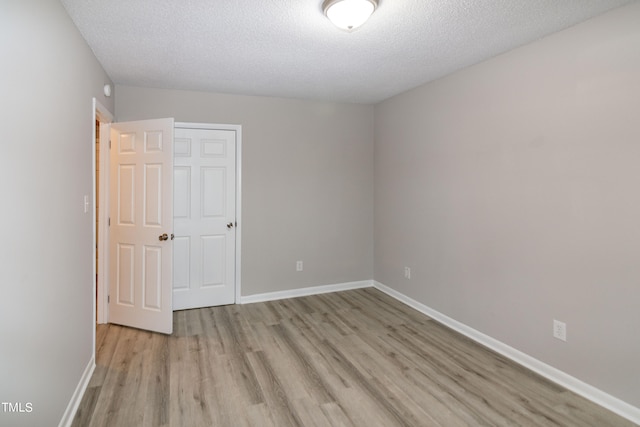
[349, 14]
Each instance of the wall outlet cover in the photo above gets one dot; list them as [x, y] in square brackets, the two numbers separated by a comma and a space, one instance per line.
[559, 330]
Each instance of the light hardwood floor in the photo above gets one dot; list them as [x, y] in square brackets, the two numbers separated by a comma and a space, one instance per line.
[353, 358]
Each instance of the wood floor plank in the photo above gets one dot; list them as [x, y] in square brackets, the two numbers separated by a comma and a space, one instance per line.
[156, 376]
[87, 409]
[258, 416]
[353, 358]
[107, 338]
[299, 361]
[336, 415]
[476, 375]
[276, 396]
[117, 379]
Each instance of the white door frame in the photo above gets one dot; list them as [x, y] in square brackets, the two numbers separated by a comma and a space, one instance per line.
[238, 131]
[100, 291]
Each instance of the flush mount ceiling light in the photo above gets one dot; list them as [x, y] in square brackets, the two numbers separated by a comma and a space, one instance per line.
[349, 14]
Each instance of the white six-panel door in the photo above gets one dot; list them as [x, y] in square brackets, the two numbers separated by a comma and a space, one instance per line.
[141, 216]
[204, 176]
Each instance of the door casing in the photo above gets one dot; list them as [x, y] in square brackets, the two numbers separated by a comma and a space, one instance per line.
[104, 116]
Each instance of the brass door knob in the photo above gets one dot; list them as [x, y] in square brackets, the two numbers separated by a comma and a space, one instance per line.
[163, 237]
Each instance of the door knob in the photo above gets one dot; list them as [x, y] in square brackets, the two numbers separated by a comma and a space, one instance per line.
[163, 237]
[230, 225]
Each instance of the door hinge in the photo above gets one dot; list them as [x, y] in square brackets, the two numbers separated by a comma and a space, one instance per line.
[109, 144]
[108, 299]
[109, 222]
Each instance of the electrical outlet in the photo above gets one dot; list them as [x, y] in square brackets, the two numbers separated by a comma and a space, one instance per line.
[407, 273]
[299, 266]
[559, 330]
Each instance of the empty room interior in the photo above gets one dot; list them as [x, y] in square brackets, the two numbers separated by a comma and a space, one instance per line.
[427, 217]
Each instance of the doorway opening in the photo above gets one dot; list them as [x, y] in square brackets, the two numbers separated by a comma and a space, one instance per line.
[102, 119]
[96, 190]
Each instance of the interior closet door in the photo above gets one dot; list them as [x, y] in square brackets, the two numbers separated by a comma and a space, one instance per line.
[204, 176]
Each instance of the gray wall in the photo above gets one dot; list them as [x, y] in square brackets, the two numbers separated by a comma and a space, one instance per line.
[47, 80]
[512, 190]
[307, 182]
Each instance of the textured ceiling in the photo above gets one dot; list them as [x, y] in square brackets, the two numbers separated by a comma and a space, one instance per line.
[288, 48]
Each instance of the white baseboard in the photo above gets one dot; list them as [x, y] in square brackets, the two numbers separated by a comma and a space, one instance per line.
[74, 403]
[303, 292]
[581, 388]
